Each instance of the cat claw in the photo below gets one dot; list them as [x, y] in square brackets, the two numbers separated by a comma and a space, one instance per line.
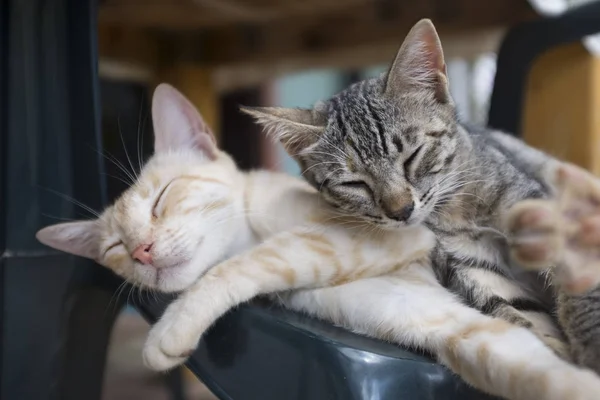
[563, 232]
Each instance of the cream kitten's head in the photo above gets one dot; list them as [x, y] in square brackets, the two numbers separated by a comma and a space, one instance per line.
[178, 219]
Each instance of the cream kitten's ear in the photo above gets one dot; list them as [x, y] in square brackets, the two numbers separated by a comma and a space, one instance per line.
[79, 237]
[419, 64]
[295, 128]
[178, 125]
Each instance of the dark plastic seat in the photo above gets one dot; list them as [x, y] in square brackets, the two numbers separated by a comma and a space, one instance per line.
[57, 310]
[261, 351]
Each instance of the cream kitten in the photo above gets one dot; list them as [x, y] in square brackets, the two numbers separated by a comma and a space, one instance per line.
[192, 208]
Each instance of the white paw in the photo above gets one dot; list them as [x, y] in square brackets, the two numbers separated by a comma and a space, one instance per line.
[171, 341]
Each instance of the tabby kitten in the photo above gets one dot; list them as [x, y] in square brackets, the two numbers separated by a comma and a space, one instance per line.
[191, 208]
[392, 151]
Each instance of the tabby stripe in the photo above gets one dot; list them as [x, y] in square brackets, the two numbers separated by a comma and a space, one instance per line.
[524, 304]
[449, 160]
[590, 333]
[500, 190]
[340, 121]
[473, 235]
[426, 163]
[521, 304]
[585, 320]
[426, 194]
[534, 194]
[379, 126]
[467, 295]
[348, 133]
[492, 304]
[470, 262]
[439, 263]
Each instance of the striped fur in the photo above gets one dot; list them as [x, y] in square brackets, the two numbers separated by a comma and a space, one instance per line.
[393, 142]
[277, 236]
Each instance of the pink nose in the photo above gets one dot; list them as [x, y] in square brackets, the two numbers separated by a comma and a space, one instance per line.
[142, 254]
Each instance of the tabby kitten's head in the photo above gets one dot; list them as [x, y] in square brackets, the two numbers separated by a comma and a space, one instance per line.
[384, 148]
[177, 219]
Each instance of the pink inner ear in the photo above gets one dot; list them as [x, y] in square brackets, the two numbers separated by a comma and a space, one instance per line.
[178, 125]
[195, 119]
[433, 52]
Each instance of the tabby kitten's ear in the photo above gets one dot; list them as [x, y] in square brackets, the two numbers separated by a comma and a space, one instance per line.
[419, 64]
[79, 237]
[295, 128]
[178, 124]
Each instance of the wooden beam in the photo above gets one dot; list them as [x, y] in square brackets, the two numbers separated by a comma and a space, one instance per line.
[196, 14]
[234, 76]
[123, 71]
[360, 34]
[356, 26]
[159, 15]
[135, 48]
[561, 107]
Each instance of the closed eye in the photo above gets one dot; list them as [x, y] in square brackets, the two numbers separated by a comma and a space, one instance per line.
[436, 170]
[359, 185]
[411, 158]
[437, 134]
[355, 184]
[112, 246]
[162, 192]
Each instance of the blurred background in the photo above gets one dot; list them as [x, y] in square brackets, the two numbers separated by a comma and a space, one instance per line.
[223, 53]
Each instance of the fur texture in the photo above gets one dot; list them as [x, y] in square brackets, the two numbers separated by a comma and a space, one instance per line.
[191, 208]
[392, 150]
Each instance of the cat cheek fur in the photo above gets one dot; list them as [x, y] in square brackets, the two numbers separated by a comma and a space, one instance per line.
[185, 150]
[180, 254]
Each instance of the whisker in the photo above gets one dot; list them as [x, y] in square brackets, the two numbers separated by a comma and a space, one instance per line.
[116, 162]
[125, 148]
[131, 288]
[317, 164]
[140, 130]
[58, 218]
[327, 177]
[115, 296]
[75, 202]
[117, 178]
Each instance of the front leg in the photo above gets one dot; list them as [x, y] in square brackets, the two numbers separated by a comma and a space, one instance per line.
[565, 232]
[302, 258]
[496, 295]
[412, 309]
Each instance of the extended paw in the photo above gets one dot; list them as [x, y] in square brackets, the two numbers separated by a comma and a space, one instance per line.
[170, 342]
[535, 235]
[563, 232]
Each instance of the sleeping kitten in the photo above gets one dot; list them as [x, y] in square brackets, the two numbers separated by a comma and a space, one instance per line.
[192, 208]
[392, 151]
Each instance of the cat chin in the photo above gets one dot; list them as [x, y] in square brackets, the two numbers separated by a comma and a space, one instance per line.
[392, 225]
[167, 279]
